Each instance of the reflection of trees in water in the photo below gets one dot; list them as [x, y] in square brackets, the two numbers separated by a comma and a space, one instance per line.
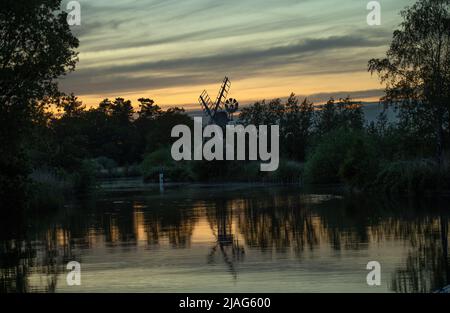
[298, 223]
[271, 222]
[427, 266]
[292, 222]
[220, 218]
[28, 266]
[15, 258]
[177, 227]
[41, 252]
[287, 223]
[136, 221]
[278, 223]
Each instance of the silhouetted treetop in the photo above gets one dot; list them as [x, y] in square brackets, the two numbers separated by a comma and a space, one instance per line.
[416, 70]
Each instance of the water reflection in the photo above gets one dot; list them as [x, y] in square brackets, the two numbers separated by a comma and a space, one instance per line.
[220, 218]
[303, 239]
[427, 264]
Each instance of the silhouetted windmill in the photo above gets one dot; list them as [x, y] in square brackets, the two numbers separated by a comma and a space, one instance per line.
[220, 112]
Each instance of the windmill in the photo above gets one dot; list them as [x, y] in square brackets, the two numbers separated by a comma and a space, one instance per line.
[221, 111]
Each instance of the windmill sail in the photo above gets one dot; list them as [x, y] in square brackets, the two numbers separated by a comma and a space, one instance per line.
[223, 93]
[206, 103]
[216, 111]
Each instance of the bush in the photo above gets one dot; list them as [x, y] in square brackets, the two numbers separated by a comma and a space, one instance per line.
[52, 179]
[413, 177]
[215, 171]
[84, 178]
[240, 171]
[161, 160]
[50, 187]
[105, 164]
[343, 156]
[360, 164]
[289, 171]
[248, 172]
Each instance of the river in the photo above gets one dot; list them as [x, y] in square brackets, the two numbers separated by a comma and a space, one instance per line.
[131, 237]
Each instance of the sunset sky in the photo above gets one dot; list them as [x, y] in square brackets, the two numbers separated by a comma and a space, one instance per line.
[170, 50]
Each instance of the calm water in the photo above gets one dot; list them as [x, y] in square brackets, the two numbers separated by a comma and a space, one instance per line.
[228, 239]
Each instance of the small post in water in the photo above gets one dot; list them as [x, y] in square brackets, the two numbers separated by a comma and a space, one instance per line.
[161, 179]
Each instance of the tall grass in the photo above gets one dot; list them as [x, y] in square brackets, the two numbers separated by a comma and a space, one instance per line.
[413, 177]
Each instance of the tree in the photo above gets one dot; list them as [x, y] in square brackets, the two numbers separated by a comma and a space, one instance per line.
[69, 134]
[416, 70]
[148, 109]
[296, 126]
[350, 114]
[122, 110]
[113, 133]
[71, 105]
[345, 114]
[36, 47]
[326, 118]
[262, 113]
[159, 133]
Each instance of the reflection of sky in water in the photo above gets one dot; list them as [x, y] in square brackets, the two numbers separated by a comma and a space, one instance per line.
[214, 240]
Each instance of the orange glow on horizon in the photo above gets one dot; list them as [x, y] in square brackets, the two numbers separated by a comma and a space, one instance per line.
[249, 90]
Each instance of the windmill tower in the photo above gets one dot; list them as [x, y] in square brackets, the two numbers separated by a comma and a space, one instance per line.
[221, 111]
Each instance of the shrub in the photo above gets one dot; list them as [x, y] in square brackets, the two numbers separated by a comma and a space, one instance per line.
[289, 171]
[52, 179]
[105, 164]
[84, 177]
[413, 177]
[343, 156]
[161, 160]
[360, 164]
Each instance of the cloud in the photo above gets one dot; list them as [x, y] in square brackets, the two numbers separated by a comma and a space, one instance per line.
[133, 46]
[200, 69]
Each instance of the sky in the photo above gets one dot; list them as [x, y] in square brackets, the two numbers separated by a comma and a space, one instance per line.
[171, 50]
